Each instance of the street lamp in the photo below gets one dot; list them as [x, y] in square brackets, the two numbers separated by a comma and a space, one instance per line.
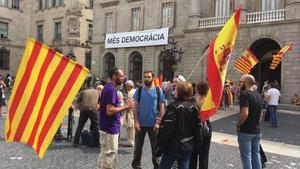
[169, 59]
[173, 53]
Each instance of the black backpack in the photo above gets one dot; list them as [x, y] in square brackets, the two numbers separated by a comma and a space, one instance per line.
[168, 138]
[88, 138]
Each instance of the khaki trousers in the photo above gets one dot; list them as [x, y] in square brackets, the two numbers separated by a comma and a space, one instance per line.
[130, 135]
[109, 149]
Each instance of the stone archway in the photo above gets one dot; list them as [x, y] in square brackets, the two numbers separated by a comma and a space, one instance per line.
[264, 49]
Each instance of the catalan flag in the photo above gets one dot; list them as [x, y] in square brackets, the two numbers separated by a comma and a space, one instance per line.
[279, 56]
[45, 86]
[219, 53]
[158, 81]
[246, 62]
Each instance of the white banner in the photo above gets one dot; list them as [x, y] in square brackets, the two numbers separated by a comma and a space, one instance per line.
[139, 38]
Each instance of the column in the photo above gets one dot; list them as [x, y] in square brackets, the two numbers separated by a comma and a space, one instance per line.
[195, 8]
[292, 9]
[195, 14]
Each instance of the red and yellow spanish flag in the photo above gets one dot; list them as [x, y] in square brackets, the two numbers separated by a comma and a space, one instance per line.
[279, 56]
[219, 53]
[246, 62]
[45, 86]
[158, 81]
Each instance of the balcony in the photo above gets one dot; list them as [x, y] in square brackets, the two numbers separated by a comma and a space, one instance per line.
[213, 22]
[265, 16]
[254, 17]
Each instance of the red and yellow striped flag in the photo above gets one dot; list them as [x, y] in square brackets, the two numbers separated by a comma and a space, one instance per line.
[279, 56]
[45, 86]
[246, 62]
[158, 81]
[219, 53]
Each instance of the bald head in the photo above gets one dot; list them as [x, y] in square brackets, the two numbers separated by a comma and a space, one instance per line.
[248, 78]
[247, 81]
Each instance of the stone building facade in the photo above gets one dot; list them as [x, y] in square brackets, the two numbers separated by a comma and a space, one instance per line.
[265, 27]
[65, 25]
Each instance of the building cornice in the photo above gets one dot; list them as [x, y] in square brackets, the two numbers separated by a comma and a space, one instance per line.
[107, 3]
[98, 43]
[133, 0]
[177, 36]
[5, 19]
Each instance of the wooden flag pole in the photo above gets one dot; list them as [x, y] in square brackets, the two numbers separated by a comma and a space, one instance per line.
[205, 53]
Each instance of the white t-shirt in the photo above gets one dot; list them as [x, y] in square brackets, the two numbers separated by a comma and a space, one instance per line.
[274, 96]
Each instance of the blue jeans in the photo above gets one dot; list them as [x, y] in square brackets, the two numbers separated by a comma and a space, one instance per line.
[167, 161]
[273, 114]
[249, 150]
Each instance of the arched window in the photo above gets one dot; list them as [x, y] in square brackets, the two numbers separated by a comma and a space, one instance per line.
[167, 66]
[88, 59]
[109, 63]
[136, 67]
[4, 58]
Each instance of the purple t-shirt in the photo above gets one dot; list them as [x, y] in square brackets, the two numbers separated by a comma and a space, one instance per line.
[109, 124]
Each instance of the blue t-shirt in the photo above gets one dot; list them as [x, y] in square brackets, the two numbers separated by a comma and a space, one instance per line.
[109, 124]
[148, 112]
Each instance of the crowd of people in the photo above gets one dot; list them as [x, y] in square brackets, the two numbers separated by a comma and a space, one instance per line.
[170, 116]
[6, 84]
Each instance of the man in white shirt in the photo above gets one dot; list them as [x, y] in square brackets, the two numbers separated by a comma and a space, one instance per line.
[272, 98]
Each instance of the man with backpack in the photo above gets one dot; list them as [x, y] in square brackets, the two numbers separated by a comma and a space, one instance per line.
[148, 111]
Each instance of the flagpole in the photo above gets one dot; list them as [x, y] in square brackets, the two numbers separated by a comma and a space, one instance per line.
[205, 53]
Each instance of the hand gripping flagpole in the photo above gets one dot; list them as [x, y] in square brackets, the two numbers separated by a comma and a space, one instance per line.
[194, 68]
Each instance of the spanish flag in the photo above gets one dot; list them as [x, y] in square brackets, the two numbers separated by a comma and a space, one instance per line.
[246, 62]
[279, 56]
[45, 86]
[219, 53]
[158, 81]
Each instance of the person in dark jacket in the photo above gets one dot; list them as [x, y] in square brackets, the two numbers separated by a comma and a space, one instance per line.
[179, 128]
[201, 152]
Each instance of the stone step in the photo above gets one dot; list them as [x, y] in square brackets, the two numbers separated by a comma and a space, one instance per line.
[290, 107]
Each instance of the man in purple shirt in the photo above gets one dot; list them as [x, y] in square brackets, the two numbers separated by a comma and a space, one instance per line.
[110, 120]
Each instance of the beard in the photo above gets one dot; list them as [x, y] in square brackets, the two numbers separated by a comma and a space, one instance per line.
[148, 83]
[119, 82]
[243, 88]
